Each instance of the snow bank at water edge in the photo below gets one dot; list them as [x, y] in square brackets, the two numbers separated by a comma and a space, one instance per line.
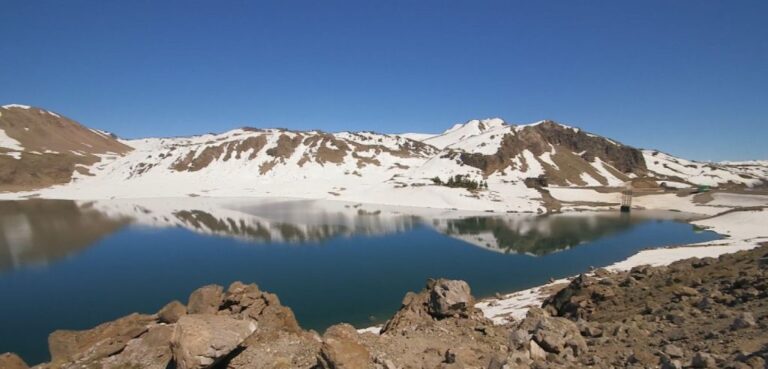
[746, 230]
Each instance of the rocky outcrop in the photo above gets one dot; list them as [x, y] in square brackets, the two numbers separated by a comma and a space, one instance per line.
[212, 328]
[699, 313]
[440, 299]
[90, 346]
[199, 341]
[149, 351]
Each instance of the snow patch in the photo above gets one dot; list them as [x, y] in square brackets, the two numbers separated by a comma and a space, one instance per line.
[9, 143]
[9, 106]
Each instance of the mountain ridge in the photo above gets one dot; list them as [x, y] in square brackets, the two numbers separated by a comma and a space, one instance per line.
[517, 162]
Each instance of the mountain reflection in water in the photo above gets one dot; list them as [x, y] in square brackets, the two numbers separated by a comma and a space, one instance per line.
[39, 232]
[75, 264]
[538, 235]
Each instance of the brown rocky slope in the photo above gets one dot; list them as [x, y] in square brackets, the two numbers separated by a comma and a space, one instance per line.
[695, 313]
[46, 148]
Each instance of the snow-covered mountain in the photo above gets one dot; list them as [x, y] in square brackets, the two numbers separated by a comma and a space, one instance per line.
[506, 167]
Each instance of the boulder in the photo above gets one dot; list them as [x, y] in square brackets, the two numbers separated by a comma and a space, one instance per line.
[199, 341]
[703, 360]
[673, 351]
[171, 312]
[440, 299]
[669, 363]
[12, 361]
[519, 339]
[97, 343]
[205, 300]
[684, 291]
[743, 320]
[151, 350]
[449, 297]
[342, 350]
[536, 352]
[248, 302]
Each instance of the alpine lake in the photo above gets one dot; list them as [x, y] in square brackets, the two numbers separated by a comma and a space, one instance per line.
[75, 264]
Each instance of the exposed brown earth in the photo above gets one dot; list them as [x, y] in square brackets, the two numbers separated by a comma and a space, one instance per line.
[695, 313]
[321, 148]
[538, 139]
[233, 149]
[53, 146]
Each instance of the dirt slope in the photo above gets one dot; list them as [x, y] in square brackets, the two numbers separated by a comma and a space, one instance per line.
[39, 148]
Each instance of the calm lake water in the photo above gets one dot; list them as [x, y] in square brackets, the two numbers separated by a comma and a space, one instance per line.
[73, 265]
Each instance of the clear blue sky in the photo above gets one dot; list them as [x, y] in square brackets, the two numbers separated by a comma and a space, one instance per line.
[687, 77]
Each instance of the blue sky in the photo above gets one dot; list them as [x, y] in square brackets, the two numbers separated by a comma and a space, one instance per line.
[687, 77]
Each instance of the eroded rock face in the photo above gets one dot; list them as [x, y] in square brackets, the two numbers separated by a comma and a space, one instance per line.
[199, 341]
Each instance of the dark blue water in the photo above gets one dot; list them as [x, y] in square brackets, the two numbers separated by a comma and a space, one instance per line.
[353, 278]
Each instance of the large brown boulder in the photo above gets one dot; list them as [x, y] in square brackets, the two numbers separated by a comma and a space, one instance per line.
[171, 312]
[199, 341]
[12, 361]
[449, 297]
[341, 349]
[205, 300]
[97, 343]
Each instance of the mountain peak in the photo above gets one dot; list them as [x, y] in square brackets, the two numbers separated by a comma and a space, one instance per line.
[479, 125]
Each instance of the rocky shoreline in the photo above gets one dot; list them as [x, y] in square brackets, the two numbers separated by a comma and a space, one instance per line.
[694, 313]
